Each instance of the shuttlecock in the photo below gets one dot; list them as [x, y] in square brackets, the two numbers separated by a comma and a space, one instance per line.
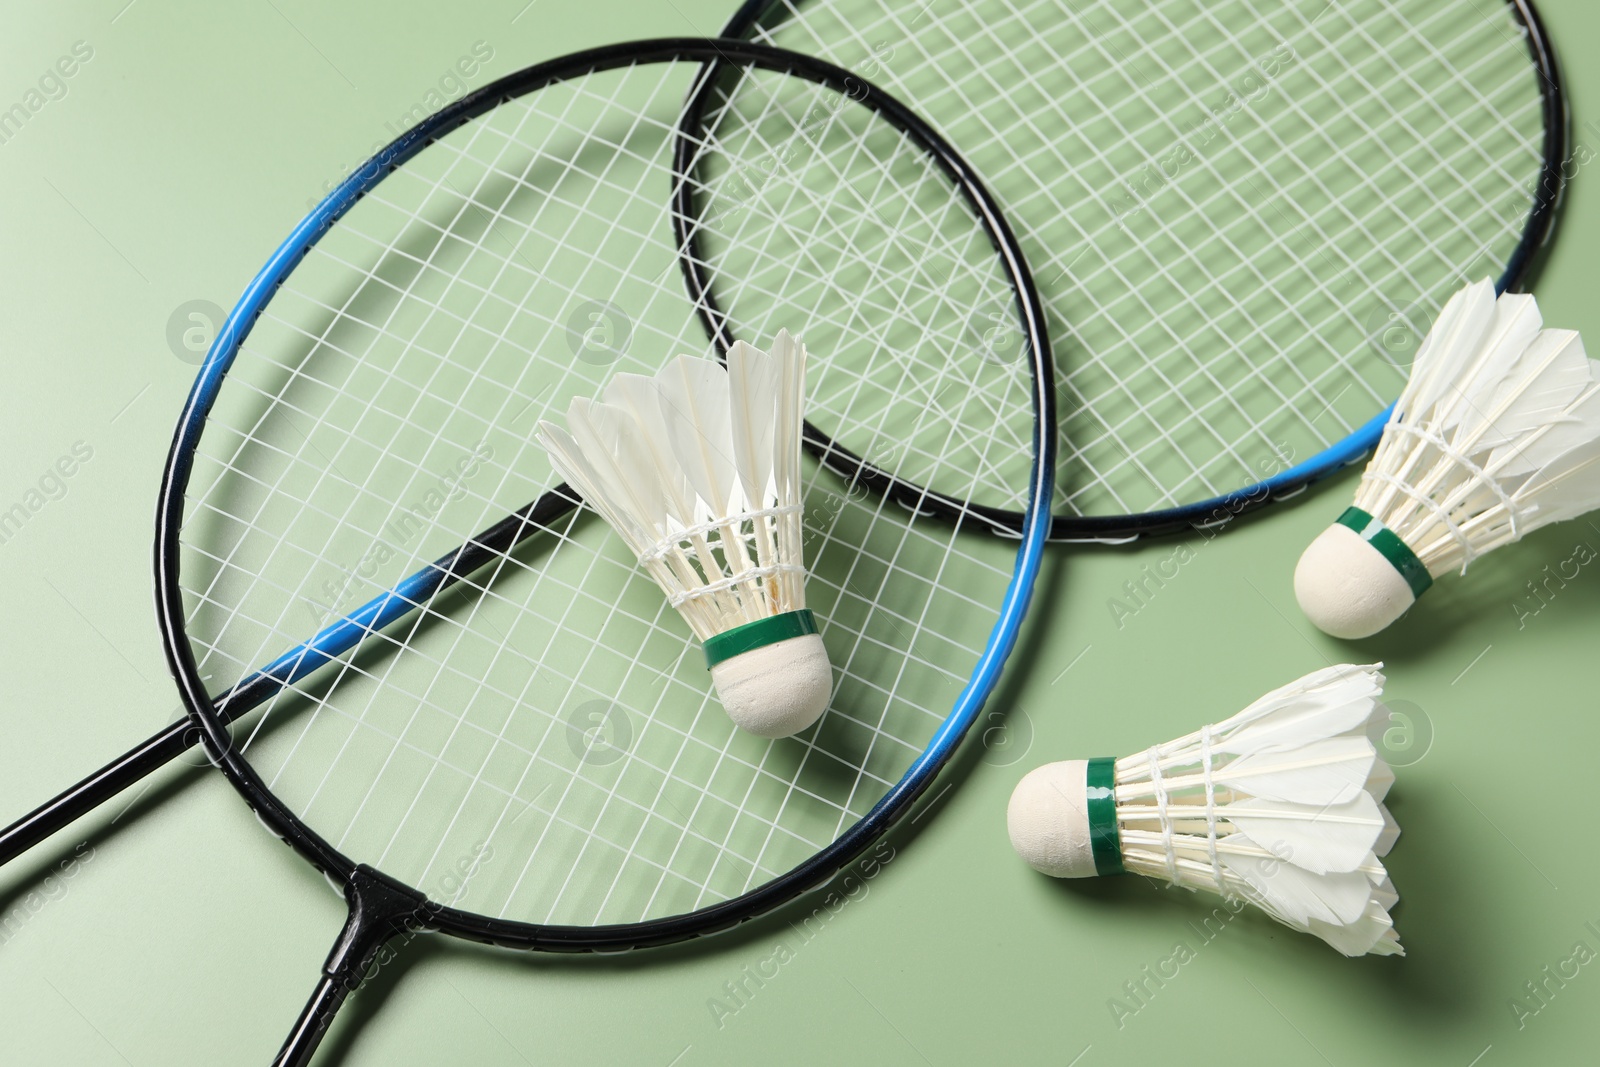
[1496, 434]
[698, 468]
[1278, 806]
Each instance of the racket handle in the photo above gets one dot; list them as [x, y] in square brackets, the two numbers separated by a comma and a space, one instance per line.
[96, 789]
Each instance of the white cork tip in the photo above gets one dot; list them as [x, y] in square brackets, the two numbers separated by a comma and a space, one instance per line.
[1048, 818]
[1347, 588]
[777, 689]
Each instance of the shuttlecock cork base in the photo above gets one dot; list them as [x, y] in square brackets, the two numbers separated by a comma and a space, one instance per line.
[772, 676]
[1357, 577]
[698, 469]
[1496, 433]
[1051, 823]
[1279, 805]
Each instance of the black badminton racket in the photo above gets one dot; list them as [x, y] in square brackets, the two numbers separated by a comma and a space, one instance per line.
[342, 538]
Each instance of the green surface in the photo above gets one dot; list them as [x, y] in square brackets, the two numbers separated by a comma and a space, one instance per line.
[174, 931]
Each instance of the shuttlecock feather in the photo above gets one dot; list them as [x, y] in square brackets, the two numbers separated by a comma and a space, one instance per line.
[1280, 806]
[698, 469]
[1496, 434]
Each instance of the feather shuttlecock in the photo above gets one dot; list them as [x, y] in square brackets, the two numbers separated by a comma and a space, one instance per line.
[698, 468]
[1496, 434]
[1280, 806]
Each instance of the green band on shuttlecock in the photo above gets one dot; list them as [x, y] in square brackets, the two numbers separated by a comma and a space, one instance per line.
[1099, 786]
[1389, 545]
[759, 634]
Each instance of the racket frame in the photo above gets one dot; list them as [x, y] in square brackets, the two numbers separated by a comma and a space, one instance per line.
[1220, 510]
[380, 907]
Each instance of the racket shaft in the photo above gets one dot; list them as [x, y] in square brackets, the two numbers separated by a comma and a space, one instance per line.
[332, 641]
[96, 789]
[308, 1031]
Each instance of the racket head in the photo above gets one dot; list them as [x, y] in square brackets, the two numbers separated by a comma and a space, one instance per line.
[239, 547]
[1198, 203]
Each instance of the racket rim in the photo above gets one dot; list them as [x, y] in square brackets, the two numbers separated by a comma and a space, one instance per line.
[203, 710]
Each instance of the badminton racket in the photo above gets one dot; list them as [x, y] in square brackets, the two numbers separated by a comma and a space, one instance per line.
[1242, 215]
[440, 674]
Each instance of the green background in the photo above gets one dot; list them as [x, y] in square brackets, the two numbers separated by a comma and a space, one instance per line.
[172, 931]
